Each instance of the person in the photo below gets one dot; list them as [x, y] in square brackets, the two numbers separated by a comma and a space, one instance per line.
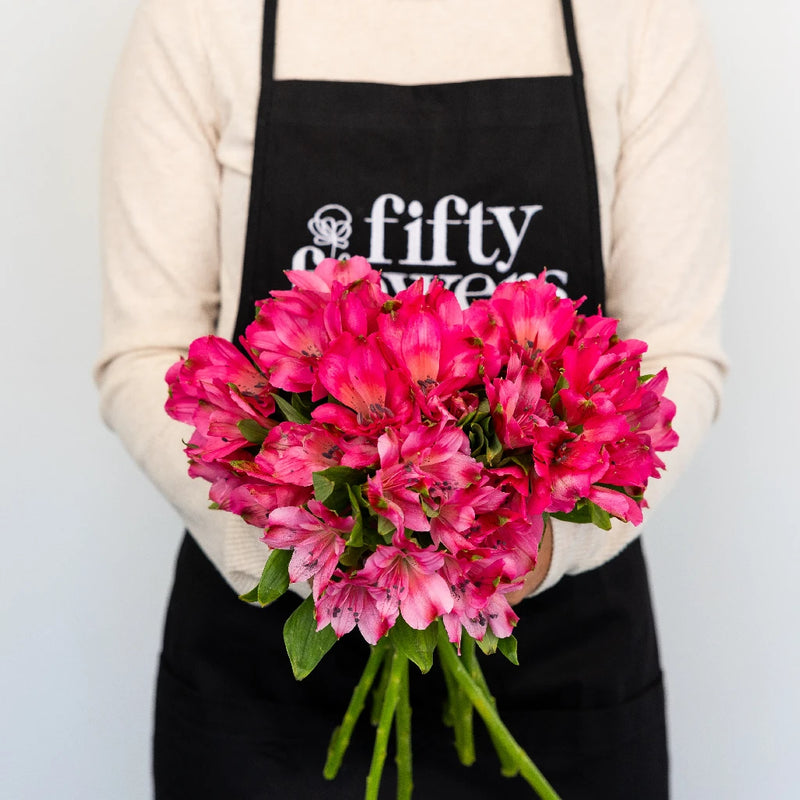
[480, 142]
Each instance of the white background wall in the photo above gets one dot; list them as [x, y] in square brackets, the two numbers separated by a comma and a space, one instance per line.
[89, 545]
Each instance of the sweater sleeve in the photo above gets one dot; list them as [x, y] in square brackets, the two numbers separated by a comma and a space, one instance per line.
[160, 198]
[669, 252]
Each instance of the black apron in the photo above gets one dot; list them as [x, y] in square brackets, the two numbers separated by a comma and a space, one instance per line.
[476, 182]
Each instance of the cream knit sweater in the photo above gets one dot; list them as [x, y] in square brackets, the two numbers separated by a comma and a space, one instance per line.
[178, 151]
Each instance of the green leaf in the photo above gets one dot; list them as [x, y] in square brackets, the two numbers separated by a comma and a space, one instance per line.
[251, 596]
[522, 460]
[494, 448]
[386, 528]
[275, 577]
[489, 642]
[323, 487]
[586, 513]
[344, 475]
[599, 516]
[478, 415]
[252, 431]
[561, 383]
[579, 515]
[356, 537]
[416, 646]
[477, 439]
[302, 403]
[304, 644]
[431, 509]
[351, 557]
[289, 411]
[358, 494]
[467, 419]
[508, 647]
[331, 487]
[555, 399]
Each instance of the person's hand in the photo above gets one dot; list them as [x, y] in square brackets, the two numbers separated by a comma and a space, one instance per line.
[535, 577]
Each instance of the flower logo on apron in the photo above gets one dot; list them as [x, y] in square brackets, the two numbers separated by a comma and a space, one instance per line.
[332, 226]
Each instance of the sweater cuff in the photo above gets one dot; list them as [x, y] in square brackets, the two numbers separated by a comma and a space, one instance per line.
[565, 536]
[580, 547]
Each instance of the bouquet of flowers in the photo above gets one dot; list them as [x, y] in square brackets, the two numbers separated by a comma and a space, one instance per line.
[401, 454]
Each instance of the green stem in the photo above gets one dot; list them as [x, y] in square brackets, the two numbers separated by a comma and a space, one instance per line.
[469, 657]
[405, 783]
[448, 717]
[380, 689]
[458, 716]
[462, 712]
[484, 707]
[342, 735]
[399, 663]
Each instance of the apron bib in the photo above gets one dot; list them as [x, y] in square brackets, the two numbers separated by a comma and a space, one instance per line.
[476, 183]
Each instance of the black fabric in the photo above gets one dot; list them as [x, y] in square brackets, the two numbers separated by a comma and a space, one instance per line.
[488, 154]
[360, 168]
[586, 700]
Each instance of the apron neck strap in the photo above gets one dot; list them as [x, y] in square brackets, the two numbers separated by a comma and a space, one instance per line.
[268, 39]
[572, 39]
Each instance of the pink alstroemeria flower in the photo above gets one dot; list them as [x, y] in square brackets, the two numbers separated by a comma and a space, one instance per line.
[456, 512]
[522, 415]
[253, 502]
[478, 601]
[430, 460]
[287, 339]
[578, 465]
[486, 323]
[293, 451]
[501, 618]
[454, 408]
[535, 318]
[219, 424]
[351, 601]
[330, 271]
[215, 389]
[513, 538]
[432, 296]
[356, 372]
[394, 490]
[354, 309]
[595, 377]
[618, 504]
[437, 360]
[468, 600]
[317, 537]
[654, 414]
[394, 493]
[235, 491]
[441, 453]
[581, 465]
[632, 462]
[217, 435]
[408, 575]
[223, 480]
[212, 361]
